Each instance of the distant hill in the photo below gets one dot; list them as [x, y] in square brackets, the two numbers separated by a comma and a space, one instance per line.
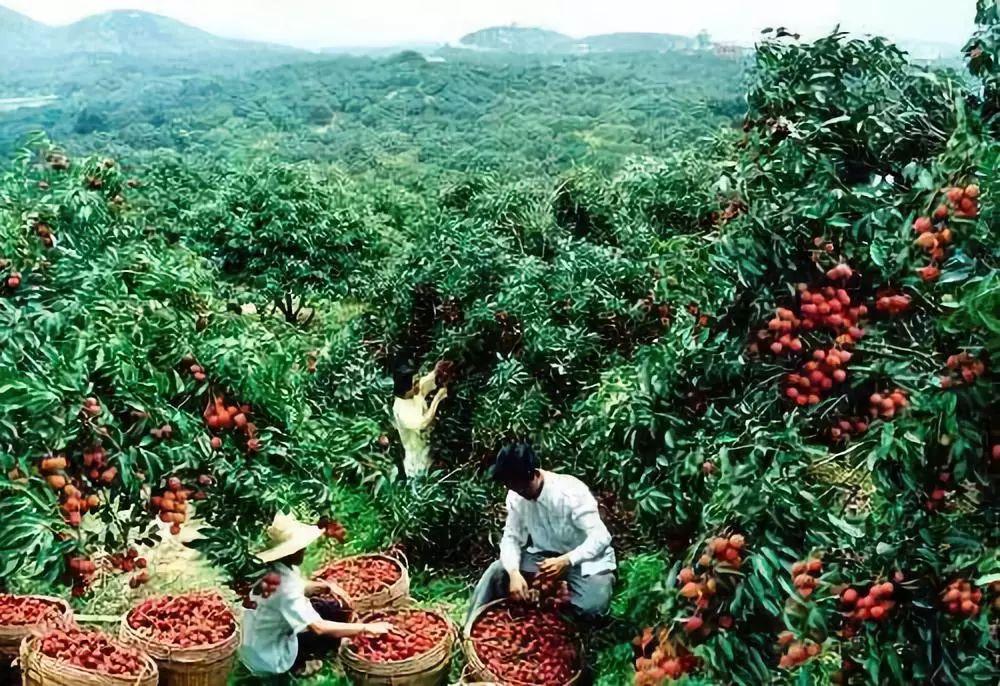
[125, 33]
[638, 42]
[522, 40]
[144, 34]
[18, 32]
[518, 39]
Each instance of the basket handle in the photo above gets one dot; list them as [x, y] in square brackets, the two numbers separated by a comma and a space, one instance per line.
[399, 556]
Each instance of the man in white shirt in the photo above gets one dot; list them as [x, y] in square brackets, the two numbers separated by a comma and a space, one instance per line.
[554, 530]
[413, 417]
[286, 629]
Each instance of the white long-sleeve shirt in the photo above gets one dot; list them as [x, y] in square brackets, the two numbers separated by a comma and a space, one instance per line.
[564, 519]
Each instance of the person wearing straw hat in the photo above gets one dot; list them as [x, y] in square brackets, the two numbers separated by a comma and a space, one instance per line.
[291, 626]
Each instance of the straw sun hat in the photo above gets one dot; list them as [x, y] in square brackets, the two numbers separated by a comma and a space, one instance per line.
[286, 536]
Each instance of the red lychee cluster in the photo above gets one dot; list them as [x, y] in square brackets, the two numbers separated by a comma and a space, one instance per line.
[964, 202]
[794, 653]
[892, 302]
[171, 504]
[129, 562]
[832, 309]
[726, 551]
[844, 428]
[162, 433]
[961, 599]
[269, 583]
[805, 575]
[659, 659]
[875, 605]
[81, 572]
[332, 529]
[938, 494]
[44, 233]
[963, 369]
[74, 503]
[780, 335]
[887, 404]
[220, 417]
[817, 376]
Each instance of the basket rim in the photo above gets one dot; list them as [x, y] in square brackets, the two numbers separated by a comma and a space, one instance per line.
[67, 609]
[28, 650]
[401, 562]
[448, 640]
[382, 597]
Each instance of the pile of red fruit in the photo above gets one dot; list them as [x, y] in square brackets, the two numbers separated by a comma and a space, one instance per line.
[892, 302]
[171, 504]
[818, 376]
[795, 652]
[887, 404]
[362, 576]
[414, 632]
[660, 659]
[27, 611]
[963, 369]
[92, 651]
[550, 592]
[845, 427]
[874, 605]
[962, 599]
[520, 644]
[805, 575]
[220, 417]
[964, 202]
[332, 529]
[184, 621]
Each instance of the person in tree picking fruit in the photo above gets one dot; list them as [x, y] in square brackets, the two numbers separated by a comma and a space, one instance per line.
[553, 531]
[413, 417]
[294, 620]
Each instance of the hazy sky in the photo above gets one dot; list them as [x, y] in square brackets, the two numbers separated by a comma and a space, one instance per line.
[317, 23]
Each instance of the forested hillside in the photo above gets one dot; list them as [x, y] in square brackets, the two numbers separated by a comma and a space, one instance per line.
[755, 310]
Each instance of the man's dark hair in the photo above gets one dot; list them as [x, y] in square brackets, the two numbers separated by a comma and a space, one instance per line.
[516, 462]
[402, 380]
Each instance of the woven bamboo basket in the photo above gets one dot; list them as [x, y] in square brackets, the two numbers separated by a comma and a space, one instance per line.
[426, 669]
[207, 665]
[477, 672]
[12, 636]
[41, 670]
[395, 595]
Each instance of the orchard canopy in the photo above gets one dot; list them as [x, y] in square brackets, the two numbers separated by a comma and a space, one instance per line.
[764, 330]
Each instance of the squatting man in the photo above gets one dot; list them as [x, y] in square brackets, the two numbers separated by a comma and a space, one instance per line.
[553, 530]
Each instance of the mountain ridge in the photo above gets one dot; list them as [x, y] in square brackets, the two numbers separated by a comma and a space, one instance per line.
[121, 32]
